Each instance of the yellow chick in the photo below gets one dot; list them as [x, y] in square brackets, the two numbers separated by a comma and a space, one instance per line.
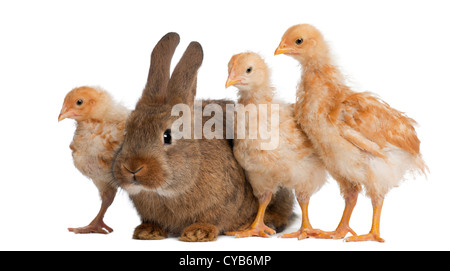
[291, 163]
[99, 133]
[361, 139]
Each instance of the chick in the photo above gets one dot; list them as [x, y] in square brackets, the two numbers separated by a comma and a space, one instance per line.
[361, 139]
[99, 132]
[291, 163]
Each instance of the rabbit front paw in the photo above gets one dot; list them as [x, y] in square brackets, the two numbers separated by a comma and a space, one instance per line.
[199, 232]
[149, 231]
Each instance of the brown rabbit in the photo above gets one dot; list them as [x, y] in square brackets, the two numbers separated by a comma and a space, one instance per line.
[188, 187]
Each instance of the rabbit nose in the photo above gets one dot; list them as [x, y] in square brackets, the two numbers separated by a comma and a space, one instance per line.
[133, 171]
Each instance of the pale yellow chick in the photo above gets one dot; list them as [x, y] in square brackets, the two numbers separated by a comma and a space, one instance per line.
[99, 133]
[291, 163]
[361, 139]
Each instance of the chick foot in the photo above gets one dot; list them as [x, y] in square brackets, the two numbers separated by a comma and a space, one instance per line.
[343, 228]
[259, 230]
[365, 237]
[97, 225]
[374, 234]
[306, 230]
[303, 234]
[339, 233]
[94, 227]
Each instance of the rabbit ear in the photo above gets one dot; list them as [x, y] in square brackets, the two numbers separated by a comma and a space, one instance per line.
[183, 83]
[158, 74]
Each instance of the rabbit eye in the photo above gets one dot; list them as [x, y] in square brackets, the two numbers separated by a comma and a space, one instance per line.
[298, 41]
[79, 102]
[167, 137]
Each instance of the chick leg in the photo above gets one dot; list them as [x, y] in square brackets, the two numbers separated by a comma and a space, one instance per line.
[343, 228]
[258, 228]
[97, 225]
[374, 234]
[306, 230]
[306, 225]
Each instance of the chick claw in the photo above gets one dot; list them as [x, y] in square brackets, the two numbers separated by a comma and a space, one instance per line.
[99, 227]
[365, 237]
[258, 231]
[303, 234]
[339, 233]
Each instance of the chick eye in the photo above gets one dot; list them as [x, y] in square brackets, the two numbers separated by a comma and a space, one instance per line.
[79, 102]
[167, 137]
[298, 41]
[249, 70]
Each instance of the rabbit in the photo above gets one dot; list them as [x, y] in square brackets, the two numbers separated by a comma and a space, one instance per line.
[191, 188]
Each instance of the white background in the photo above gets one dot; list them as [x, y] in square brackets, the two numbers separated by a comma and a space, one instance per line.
[397, 49]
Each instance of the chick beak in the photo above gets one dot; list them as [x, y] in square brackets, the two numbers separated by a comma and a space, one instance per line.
[62, 114]
[281, 49]
[231, 82]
